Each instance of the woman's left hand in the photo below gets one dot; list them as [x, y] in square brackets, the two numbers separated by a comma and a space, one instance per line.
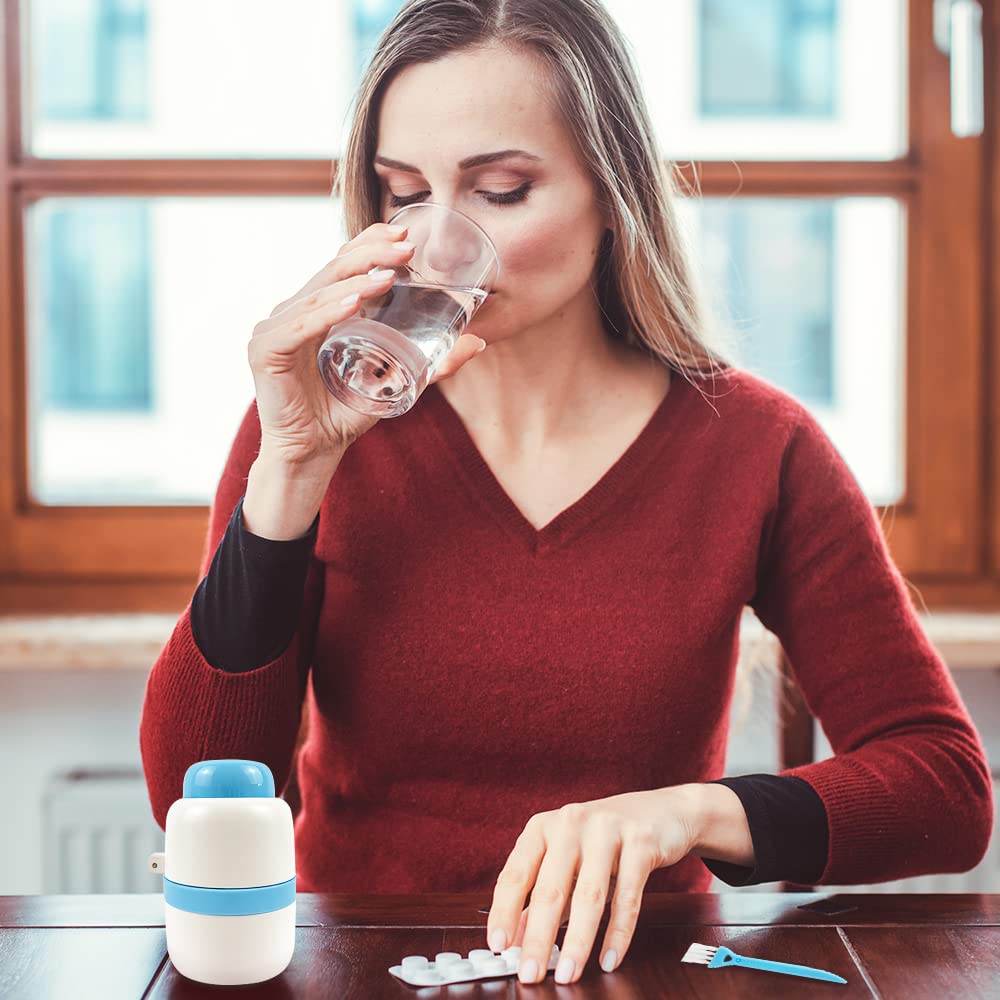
[607, 847]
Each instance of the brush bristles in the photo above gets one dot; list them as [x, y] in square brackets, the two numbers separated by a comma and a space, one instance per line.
[701, 954]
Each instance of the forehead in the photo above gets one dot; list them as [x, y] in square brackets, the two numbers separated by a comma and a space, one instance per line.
[469, 102]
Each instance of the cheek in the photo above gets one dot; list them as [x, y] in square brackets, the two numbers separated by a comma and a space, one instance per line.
[552, 246]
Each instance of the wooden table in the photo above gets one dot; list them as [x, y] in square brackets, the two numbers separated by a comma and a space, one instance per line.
[903, 945]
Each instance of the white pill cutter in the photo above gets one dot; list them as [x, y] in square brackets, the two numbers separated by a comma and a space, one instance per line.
[449, 967]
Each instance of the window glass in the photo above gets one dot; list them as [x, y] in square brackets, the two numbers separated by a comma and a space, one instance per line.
[812, 291]
[139, 315]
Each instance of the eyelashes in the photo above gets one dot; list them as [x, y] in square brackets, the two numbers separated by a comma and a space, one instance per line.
[494, 198]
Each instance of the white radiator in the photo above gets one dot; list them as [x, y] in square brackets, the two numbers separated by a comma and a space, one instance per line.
[99, 831]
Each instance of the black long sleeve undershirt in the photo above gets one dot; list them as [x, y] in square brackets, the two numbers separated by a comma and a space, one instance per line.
[245, 611]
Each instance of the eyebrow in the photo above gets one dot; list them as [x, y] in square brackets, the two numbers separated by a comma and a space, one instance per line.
[470, 161]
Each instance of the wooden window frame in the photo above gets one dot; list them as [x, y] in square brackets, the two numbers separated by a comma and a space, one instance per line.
[944, 533]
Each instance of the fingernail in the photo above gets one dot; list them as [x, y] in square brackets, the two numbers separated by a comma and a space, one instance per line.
[482, 347]
[608, 962]
[380, 274]
[404, 245]
[527, 971]
[350, 300]
[396, 230]
[498, 939]
[565, 969]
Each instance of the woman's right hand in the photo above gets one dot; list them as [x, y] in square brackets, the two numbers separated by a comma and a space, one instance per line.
[300, 421]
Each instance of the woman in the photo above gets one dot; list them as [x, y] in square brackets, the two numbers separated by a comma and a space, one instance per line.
[519, 603]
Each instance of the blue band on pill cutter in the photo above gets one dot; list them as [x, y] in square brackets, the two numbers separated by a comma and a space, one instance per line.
[229, 902]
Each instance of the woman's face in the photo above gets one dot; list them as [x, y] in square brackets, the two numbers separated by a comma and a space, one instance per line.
[435, 115]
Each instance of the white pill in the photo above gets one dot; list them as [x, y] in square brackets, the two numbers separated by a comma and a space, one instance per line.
[444, 958]
[424, 977]
[495, 967]
[478, 955]
[463, 967]
[514, 951]
[414, 962]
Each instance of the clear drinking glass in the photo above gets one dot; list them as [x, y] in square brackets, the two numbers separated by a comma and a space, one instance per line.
[379, 360]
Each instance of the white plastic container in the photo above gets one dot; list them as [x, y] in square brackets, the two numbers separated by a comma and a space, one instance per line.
[228, 869]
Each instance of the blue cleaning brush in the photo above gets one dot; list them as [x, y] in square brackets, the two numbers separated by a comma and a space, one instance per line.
[716, 958]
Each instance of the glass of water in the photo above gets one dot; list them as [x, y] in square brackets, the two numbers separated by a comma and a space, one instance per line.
[379, 360]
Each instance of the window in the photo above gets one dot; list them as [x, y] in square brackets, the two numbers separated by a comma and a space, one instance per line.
[371, 18]
[163, 187]
[812, 288]
[141, 309]
[95, 301]
[93, 60]
[781, 265]
[774, 57]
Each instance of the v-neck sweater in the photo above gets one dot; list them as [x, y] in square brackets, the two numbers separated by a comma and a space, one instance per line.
[464, 670]
[245, 611]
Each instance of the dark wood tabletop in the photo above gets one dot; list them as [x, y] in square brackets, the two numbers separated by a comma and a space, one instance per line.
[903, 945]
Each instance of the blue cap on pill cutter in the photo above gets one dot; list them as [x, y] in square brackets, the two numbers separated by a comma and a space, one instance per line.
[228, 779]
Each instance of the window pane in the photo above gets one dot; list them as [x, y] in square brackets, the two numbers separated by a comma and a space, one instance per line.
[140, 311]
[136, 78]
[814, 290]
[139, 315]
[725, 79]
[98, 316]
[766, 58]
[772, 79]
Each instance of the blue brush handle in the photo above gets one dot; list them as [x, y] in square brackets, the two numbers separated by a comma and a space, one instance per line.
[724, 956]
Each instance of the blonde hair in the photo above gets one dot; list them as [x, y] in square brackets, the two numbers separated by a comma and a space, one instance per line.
[646, 286]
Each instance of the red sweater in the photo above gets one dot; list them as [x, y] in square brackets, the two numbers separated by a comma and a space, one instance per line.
[465, 670]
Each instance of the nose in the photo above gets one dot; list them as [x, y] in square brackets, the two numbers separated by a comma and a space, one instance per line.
[450, 245]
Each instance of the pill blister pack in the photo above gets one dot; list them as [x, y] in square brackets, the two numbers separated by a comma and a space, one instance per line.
[449, 967]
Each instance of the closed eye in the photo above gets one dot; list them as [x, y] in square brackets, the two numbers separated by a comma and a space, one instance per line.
[493, 197]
